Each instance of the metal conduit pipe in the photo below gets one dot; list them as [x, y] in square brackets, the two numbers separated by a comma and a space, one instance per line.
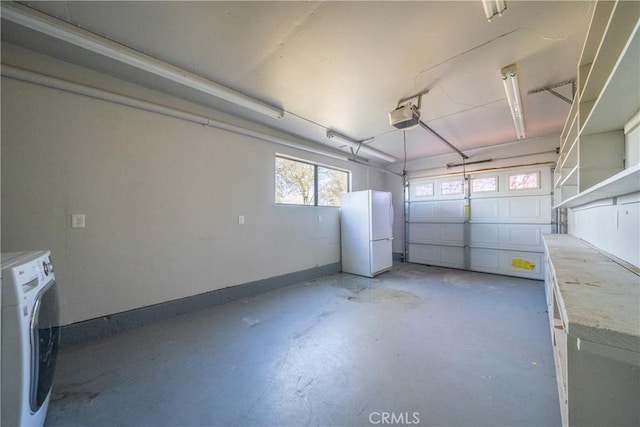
[80, 89]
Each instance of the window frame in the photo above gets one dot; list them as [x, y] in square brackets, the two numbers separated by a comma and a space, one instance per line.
[457, 193]
[428, 184]
[316, 187]
[538, 181]
[495, 179]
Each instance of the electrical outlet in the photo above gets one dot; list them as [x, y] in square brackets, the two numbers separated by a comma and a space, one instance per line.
[77, 221]
[319, 218]
[241, 219]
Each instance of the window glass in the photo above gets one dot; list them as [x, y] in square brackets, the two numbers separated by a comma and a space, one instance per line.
[423, 189]
[294, 182]
[331, 182]
[479, 185]
[451, 187]
[304, 183]
[524, 181]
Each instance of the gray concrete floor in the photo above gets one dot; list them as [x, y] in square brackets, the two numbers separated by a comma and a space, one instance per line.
[442, 347]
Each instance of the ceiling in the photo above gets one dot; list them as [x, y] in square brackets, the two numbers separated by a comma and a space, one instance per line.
[344, 65]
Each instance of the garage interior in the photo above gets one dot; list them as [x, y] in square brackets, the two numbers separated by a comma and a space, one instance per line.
[347, 349]
[140, 144]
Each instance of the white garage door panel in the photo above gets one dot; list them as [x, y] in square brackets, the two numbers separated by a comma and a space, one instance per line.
[443, 210]
[446, 256]
[522, 237]
[451, 209]
[530, 209]
[448, 234]
[510, 263]
[485, 210]
[485, 260]
[503, 234]
[485, 235]
[422, 211]
[526, 235]
[524, 208]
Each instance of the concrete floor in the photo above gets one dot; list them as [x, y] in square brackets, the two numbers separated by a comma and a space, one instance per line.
[425, 345]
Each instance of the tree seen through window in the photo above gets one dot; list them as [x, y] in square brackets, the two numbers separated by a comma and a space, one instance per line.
[302, 183]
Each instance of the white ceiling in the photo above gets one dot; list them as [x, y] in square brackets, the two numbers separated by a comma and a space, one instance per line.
[345, 65]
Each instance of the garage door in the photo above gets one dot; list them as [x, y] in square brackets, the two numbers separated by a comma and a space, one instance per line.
[491, 222]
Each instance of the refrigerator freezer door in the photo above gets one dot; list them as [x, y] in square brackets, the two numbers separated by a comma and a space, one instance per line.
[381, 215]
[381, 257]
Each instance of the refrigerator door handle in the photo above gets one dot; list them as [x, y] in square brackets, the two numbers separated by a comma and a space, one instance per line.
[391, 215]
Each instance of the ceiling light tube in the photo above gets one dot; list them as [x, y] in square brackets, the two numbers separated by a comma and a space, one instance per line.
[79, 89]
[53, 27]
[493, 8]
[359, 146]
[510, 81]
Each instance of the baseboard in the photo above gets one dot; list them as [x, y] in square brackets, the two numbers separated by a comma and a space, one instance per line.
[92, 329]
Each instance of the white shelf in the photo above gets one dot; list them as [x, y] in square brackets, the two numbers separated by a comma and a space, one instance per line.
[625, 182]
[570, 157]
[620, 25]
[597, 26]
[570, 130]
[592, 143]
[611, 110]
[570, 178]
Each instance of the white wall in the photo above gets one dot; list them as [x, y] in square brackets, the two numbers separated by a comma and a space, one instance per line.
[161, 198]
[612, 225]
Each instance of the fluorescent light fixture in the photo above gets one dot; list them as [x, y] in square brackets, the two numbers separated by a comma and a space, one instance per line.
[359, 146]
[510, 81]
[493, 8]
[79, 89]
[53, 27]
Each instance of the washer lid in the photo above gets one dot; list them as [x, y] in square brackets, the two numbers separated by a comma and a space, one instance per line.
[11, 259]
[7, 258]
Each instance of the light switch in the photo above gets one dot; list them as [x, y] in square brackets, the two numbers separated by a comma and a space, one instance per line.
[77, 220]
[319, 218]
[240, 219]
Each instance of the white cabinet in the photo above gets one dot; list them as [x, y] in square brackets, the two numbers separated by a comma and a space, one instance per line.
[592, 147]
[594, 314]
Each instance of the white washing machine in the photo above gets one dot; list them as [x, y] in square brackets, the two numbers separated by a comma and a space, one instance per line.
[30, 336]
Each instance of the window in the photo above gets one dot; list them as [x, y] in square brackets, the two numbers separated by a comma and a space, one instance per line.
[423, 189]
[524, 181]
[479, 185]
[304, 183]
[448, 188]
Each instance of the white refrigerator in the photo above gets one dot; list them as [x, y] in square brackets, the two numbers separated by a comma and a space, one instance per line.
[366, 219]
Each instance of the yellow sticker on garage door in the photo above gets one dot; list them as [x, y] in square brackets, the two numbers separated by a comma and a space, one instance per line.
[522, 263]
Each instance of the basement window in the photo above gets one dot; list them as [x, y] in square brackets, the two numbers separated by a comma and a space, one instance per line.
[300, 182]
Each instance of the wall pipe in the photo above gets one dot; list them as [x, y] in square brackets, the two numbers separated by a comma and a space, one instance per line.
[80, 89]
